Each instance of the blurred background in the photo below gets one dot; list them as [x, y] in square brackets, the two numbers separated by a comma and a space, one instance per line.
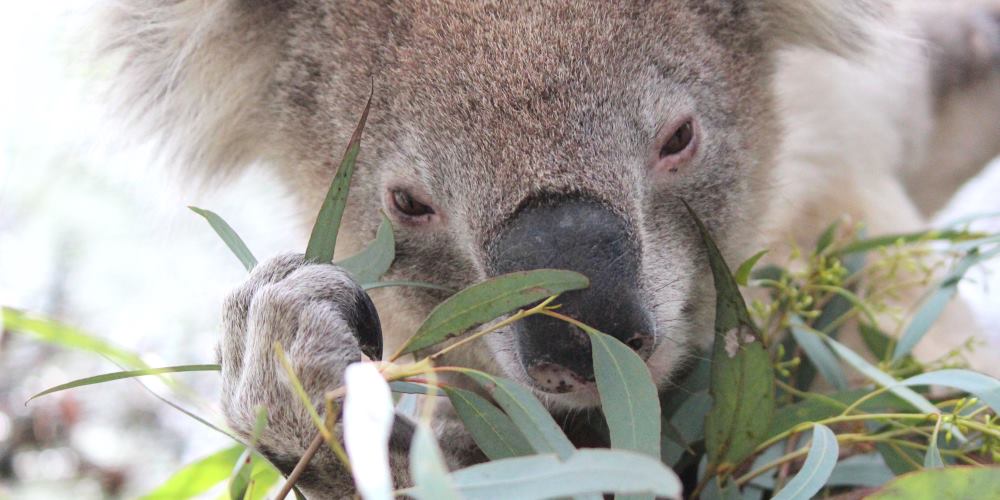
[96, 236]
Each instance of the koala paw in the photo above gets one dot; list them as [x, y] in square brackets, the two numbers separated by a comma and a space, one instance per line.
[323, 320]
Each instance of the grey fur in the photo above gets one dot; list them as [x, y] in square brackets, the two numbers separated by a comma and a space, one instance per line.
[478, 106]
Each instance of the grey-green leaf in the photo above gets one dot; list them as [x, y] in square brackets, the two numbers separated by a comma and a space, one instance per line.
[628, 396]
[950, 482]
[108, 377]
[229, 237]
[742, 379]
[427, 467]
[198, 477]
[493, 431]
[986, 388]
[489, 300]
[822, 357]
[932, 308]
[529, 416]
[368, 266]
[323, 239]
[585, 472]
[819, 465]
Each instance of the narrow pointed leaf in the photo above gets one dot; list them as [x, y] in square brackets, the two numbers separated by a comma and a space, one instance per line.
[869, 471]
[411, 284]
[628, 396]
[198, 477]
[529, 416]
[986, 388]
[229, 237]
[821, 356]
[427, 467]
[242, 479]
[746, 268]
[819, 465]
[742, 379]
[489, 300]
[934, 306]
[906, 239]
[323, 240]
[56, 333]
[493, 431]
[109, 377]
[368, 266]
[585, 472]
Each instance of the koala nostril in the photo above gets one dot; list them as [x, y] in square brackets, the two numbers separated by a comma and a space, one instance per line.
[636, 343]
[553, 378]
[641, 344]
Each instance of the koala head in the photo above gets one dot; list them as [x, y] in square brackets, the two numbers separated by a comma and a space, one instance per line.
[504, 136]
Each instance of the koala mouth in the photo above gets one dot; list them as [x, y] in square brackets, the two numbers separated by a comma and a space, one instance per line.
[587, 237]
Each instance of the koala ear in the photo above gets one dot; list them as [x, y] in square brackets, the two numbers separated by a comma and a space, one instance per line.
[194, 75]
[840, 26]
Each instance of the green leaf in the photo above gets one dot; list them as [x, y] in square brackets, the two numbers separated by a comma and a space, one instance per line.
[56, 333]
[242, 478]
[493, 431]
[198, 477]
[869, 471]
[108, 377]
[932, 459]
[489, 300]
[628, 396]
[746, 268]
[529, 416]
[427, 467]
[689, 423]
[821, 356]
[819, 464]
[986, 388]
[905, 239]
[323, 240]
[585, 472]
[229, 237]
[368, 266]
[826, 239]
[819, 407]
[952, 482]
[742, 377]
[932, 308]
[265, 477]
[876, 340]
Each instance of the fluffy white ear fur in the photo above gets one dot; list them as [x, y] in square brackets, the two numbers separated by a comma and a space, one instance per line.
[194, 75]
[840, 26]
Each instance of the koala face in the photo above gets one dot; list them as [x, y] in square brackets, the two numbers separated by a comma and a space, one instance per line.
[509, 136]
[508, 141]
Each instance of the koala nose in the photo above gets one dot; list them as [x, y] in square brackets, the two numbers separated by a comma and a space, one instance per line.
[586, 237]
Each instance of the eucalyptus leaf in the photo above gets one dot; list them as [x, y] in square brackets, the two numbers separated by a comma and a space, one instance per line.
[869, 471]
[109, 377]
[56, 333]
[934, 306]
[241, 480]
[986, 388]
[820, 355]
[427, 468]
[492, 430]
[628, 396]
[867, 245]
[403, 284]
[323, 239]
[529, 416]
[584, 472]
[746, 268]
[368, 266]
[742, 380]
[819, 465]
[489, 300]
[198, 477]
[951, 482]
[826, 239]
[229, 237]
[367, 425]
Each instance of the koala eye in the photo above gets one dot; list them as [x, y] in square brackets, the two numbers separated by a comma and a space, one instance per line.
[677, 148]
[679, 142]
[406, 205]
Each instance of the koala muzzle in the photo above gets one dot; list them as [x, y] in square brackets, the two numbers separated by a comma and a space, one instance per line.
[586, 237]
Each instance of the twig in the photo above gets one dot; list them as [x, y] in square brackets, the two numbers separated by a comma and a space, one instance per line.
[300, 467]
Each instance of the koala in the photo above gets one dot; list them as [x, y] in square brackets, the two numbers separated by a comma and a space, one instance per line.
[508, 136]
